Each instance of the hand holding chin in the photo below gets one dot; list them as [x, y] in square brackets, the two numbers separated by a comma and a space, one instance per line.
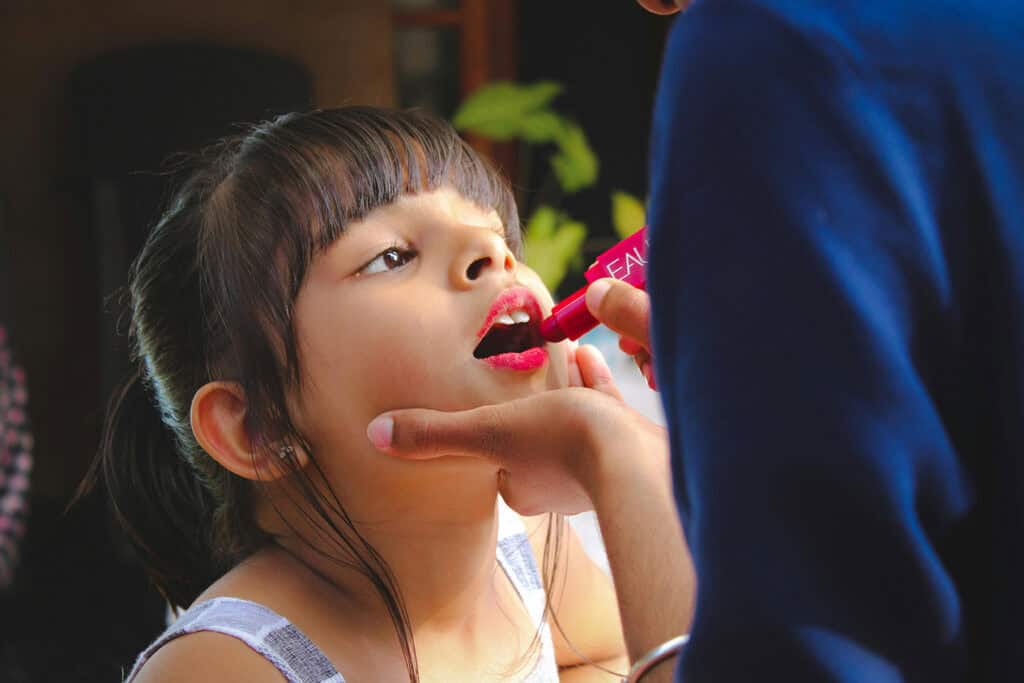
[557, 450]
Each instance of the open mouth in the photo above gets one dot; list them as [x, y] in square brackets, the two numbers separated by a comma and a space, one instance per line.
[511, 334]
[508, 336]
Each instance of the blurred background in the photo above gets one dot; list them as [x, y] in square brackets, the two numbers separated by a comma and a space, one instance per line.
[98, 97]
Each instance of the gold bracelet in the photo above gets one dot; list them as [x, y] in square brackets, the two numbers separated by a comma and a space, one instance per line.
[655, 657]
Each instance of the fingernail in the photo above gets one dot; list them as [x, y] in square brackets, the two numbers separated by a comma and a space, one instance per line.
[596, 293]
[648, 373]
[379, 431]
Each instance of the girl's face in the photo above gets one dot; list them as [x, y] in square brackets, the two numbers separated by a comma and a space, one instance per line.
[412, 307]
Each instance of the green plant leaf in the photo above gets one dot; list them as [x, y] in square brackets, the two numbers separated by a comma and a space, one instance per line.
[575, 164]
[542, 126]
[628, 214]
[553, 242]
[497, 110]
[542, 223]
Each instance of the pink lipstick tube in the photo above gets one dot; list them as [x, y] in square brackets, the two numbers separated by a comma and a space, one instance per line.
[626, 261]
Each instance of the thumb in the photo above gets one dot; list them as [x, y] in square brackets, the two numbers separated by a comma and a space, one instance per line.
[622, 307]
[422, 434]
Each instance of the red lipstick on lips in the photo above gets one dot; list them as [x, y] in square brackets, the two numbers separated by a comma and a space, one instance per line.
[524, 344]
[530, 359]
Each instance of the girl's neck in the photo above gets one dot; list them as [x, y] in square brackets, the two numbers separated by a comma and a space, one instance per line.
[441, 551]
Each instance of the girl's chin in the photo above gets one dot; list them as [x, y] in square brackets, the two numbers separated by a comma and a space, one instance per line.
[453, 476]
[524, 389]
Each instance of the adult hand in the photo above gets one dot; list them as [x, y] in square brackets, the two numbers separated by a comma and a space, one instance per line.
[556, 450]
[571, 450]
[626, 310]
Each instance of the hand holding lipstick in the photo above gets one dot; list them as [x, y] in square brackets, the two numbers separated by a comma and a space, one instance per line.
[626, 310]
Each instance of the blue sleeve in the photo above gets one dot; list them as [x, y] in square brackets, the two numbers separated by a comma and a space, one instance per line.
[803, 318]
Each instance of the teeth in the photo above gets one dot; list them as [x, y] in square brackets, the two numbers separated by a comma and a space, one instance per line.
[512, 318]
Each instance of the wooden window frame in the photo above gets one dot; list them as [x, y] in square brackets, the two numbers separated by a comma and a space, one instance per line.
[488, 51]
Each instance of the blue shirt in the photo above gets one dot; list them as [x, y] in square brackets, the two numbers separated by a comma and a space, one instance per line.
[837, 276]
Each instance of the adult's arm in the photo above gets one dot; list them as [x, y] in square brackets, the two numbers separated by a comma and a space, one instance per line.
[571, 450]
[803, 321]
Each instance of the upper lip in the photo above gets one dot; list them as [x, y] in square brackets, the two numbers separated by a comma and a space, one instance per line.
[514, 299]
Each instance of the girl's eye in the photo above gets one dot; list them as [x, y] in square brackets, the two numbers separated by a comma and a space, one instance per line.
[389, 259]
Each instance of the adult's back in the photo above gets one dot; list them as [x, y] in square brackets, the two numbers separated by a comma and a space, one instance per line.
[837, 280]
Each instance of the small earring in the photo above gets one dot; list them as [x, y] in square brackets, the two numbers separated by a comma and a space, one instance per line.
[286, 452]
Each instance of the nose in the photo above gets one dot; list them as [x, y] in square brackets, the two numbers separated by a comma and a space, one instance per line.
[482, 254]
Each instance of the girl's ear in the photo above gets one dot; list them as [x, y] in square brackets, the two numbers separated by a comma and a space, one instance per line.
[218, 423]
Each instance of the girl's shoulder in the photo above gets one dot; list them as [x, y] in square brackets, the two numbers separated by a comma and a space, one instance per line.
[260, 617]
[242, 627]
[242, 624]
[206, 657]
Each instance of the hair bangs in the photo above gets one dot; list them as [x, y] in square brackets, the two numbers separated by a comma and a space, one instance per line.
[339, 168]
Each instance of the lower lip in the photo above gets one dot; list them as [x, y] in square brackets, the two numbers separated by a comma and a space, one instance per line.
[531, 359]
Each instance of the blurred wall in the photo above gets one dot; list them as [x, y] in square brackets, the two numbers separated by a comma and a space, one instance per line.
[346, 44]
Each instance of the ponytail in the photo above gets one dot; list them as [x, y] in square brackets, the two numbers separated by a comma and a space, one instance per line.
[156, 496]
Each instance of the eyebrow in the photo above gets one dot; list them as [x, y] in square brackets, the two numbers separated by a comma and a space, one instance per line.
[499, 229]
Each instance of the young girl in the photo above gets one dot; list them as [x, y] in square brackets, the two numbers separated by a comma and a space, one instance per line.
[314, 273]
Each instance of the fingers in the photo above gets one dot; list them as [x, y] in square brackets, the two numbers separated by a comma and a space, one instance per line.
[630, 347]
[644, 361]
[641, 357]
[420, 434]
[575, 379]
[622, 307]
[595, 371]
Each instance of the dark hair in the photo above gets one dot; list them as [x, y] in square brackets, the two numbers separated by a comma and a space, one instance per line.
[203, 308]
